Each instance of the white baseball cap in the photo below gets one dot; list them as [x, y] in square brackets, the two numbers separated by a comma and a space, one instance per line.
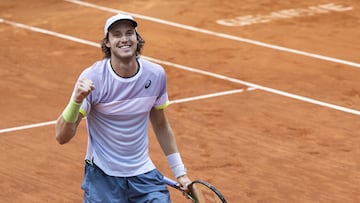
[116, 18]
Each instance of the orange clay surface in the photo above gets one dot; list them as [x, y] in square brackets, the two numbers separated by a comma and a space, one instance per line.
[262, 145]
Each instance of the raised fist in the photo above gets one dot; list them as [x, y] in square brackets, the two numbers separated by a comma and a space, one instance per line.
[82, 89]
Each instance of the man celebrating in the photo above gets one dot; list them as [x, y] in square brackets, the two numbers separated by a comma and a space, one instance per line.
[119, 95]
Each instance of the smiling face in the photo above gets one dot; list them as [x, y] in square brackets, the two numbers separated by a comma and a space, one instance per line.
[122, 40]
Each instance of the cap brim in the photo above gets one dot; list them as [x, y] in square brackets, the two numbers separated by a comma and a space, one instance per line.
[119, 17]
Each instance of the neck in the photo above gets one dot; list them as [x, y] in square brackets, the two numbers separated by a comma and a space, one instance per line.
[125, 68]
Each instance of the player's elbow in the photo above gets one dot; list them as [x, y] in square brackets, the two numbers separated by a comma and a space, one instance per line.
[61, 142]
[64, 132]
[62, 135]
[60, 138]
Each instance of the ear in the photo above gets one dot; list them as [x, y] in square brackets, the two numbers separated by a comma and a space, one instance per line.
[106, 40]
[107, 43]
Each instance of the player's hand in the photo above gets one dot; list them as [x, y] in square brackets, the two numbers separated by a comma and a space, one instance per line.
[184, 182]
[82, 89]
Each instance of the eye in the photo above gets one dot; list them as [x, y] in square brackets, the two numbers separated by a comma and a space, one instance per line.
[130, 32]
[116, 34]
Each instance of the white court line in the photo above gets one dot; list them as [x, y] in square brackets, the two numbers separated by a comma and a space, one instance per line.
[212, 95]
[24, 127]
[267, 89]
[217, 34]
[251, 85]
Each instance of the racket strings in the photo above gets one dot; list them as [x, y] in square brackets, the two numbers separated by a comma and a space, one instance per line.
[206, 193]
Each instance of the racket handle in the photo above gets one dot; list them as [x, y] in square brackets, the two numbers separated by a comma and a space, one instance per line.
[171, 183]
[176, 185]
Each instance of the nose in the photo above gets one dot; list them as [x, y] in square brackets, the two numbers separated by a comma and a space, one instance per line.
[124, 38]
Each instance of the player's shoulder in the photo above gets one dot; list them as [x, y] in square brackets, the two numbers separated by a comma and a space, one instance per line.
[150, 66]
[99, 65]
[96, 68]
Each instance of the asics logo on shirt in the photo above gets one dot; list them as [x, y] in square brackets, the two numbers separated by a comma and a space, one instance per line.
[147, 84]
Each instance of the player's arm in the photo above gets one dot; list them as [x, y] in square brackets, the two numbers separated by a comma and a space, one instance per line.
[167, 141]
[68, 121]
[163, 131]
[65, 130]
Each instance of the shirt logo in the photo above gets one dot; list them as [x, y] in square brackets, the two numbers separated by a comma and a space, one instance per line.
[147, 84]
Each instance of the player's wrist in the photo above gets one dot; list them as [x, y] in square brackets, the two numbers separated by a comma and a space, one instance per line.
[77, 98]
[71, 112]
[177, 166]
[77, 101]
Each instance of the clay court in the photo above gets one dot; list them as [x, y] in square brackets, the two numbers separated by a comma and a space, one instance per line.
[266, 108]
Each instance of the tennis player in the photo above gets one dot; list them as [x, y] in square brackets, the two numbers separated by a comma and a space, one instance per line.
[119, 95]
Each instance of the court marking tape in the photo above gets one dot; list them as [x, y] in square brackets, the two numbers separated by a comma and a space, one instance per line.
[217, 34]
[252, 86]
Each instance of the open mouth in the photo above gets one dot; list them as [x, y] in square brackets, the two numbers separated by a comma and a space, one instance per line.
[125, 47]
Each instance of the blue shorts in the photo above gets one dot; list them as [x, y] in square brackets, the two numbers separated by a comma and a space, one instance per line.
[99, 187]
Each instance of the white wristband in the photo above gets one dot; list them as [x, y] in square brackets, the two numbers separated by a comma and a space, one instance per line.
[176, 164]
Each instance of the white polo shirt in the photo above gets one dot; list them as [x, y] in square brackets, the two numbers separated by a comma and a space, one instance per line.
[117, 113]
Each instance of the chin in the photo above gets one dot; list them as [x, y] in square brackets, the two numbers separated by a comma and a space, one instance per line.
[126, 55]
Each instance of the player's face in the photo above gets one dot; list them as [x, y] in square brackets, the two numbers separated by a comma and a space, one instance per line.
[122, 40]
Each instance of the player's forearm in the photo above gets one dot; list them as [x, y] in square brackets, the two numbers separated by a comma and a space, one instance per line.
[168, 144]
[68, 121]
[64, 131]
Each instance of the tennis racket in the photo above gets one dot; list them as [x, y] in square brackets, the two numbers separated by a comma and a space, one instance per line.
[199, 191]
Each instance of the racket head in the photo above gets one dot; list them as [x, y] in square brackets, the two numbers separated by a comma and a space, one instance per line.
[204, 192]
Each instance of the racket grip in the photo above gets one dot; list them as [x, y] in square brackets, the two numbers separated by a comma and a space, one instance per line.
[170, 182]
[176, 185]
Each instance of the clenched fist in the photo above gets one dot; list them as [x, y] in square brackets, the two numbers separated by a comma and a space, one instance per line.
[82, 89]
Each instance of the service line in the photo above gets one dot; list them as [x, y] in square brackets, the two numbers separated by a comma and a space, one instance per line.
[189, 99]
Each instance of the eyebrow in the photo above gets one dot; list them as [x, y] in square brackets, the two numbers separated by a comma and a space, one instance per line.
[127, 30]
